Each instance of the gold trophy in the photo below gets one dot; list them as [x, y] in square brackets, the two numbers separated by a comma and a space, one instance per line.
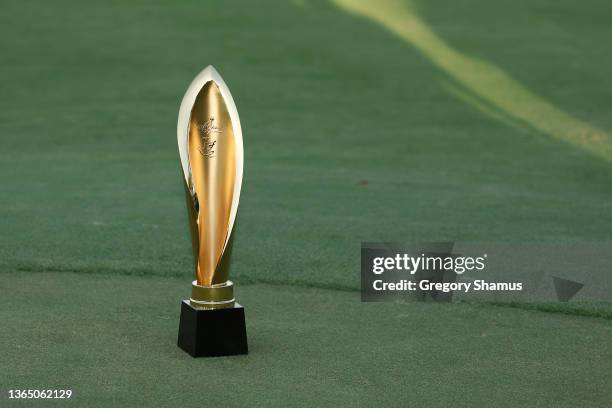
[211, 153]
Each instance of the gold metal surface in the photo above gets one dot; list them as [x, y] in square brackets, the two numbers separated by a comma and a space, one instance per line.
[212, 157]
[210, 149]
[212, 297]
[207, 305]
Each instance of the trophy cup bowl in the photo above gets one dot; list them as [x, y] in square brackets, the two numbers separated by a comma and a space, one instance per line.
[211, 154]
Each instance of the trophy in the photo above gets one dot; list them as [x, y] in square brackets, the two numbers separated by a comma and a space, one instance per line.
[211, 154]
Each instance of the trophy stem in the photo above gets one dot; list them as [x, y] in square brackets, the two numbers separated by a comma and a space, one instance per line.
[212, 297]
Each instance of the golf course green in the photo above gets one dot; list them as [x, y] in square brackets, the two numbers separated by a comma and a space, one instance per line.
[362, 121]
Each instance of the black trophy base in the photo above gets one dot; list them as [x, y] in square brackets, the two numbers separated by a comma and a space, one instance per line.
[212, 332]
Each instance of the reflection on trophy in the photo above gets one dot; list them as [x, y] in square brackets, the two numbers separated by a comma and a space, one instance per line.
[211, 153]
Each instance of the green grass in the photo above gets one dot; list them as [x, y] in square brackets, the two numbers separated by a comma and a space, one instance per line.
[111, 339]
[351, 134]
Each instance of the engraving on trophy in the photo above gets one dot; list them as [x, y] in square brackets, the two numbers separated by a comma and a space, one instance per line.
[207, 129]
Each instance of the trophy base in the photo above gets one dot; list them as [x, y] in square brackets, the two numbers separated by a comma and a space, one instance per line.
[212, 332]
